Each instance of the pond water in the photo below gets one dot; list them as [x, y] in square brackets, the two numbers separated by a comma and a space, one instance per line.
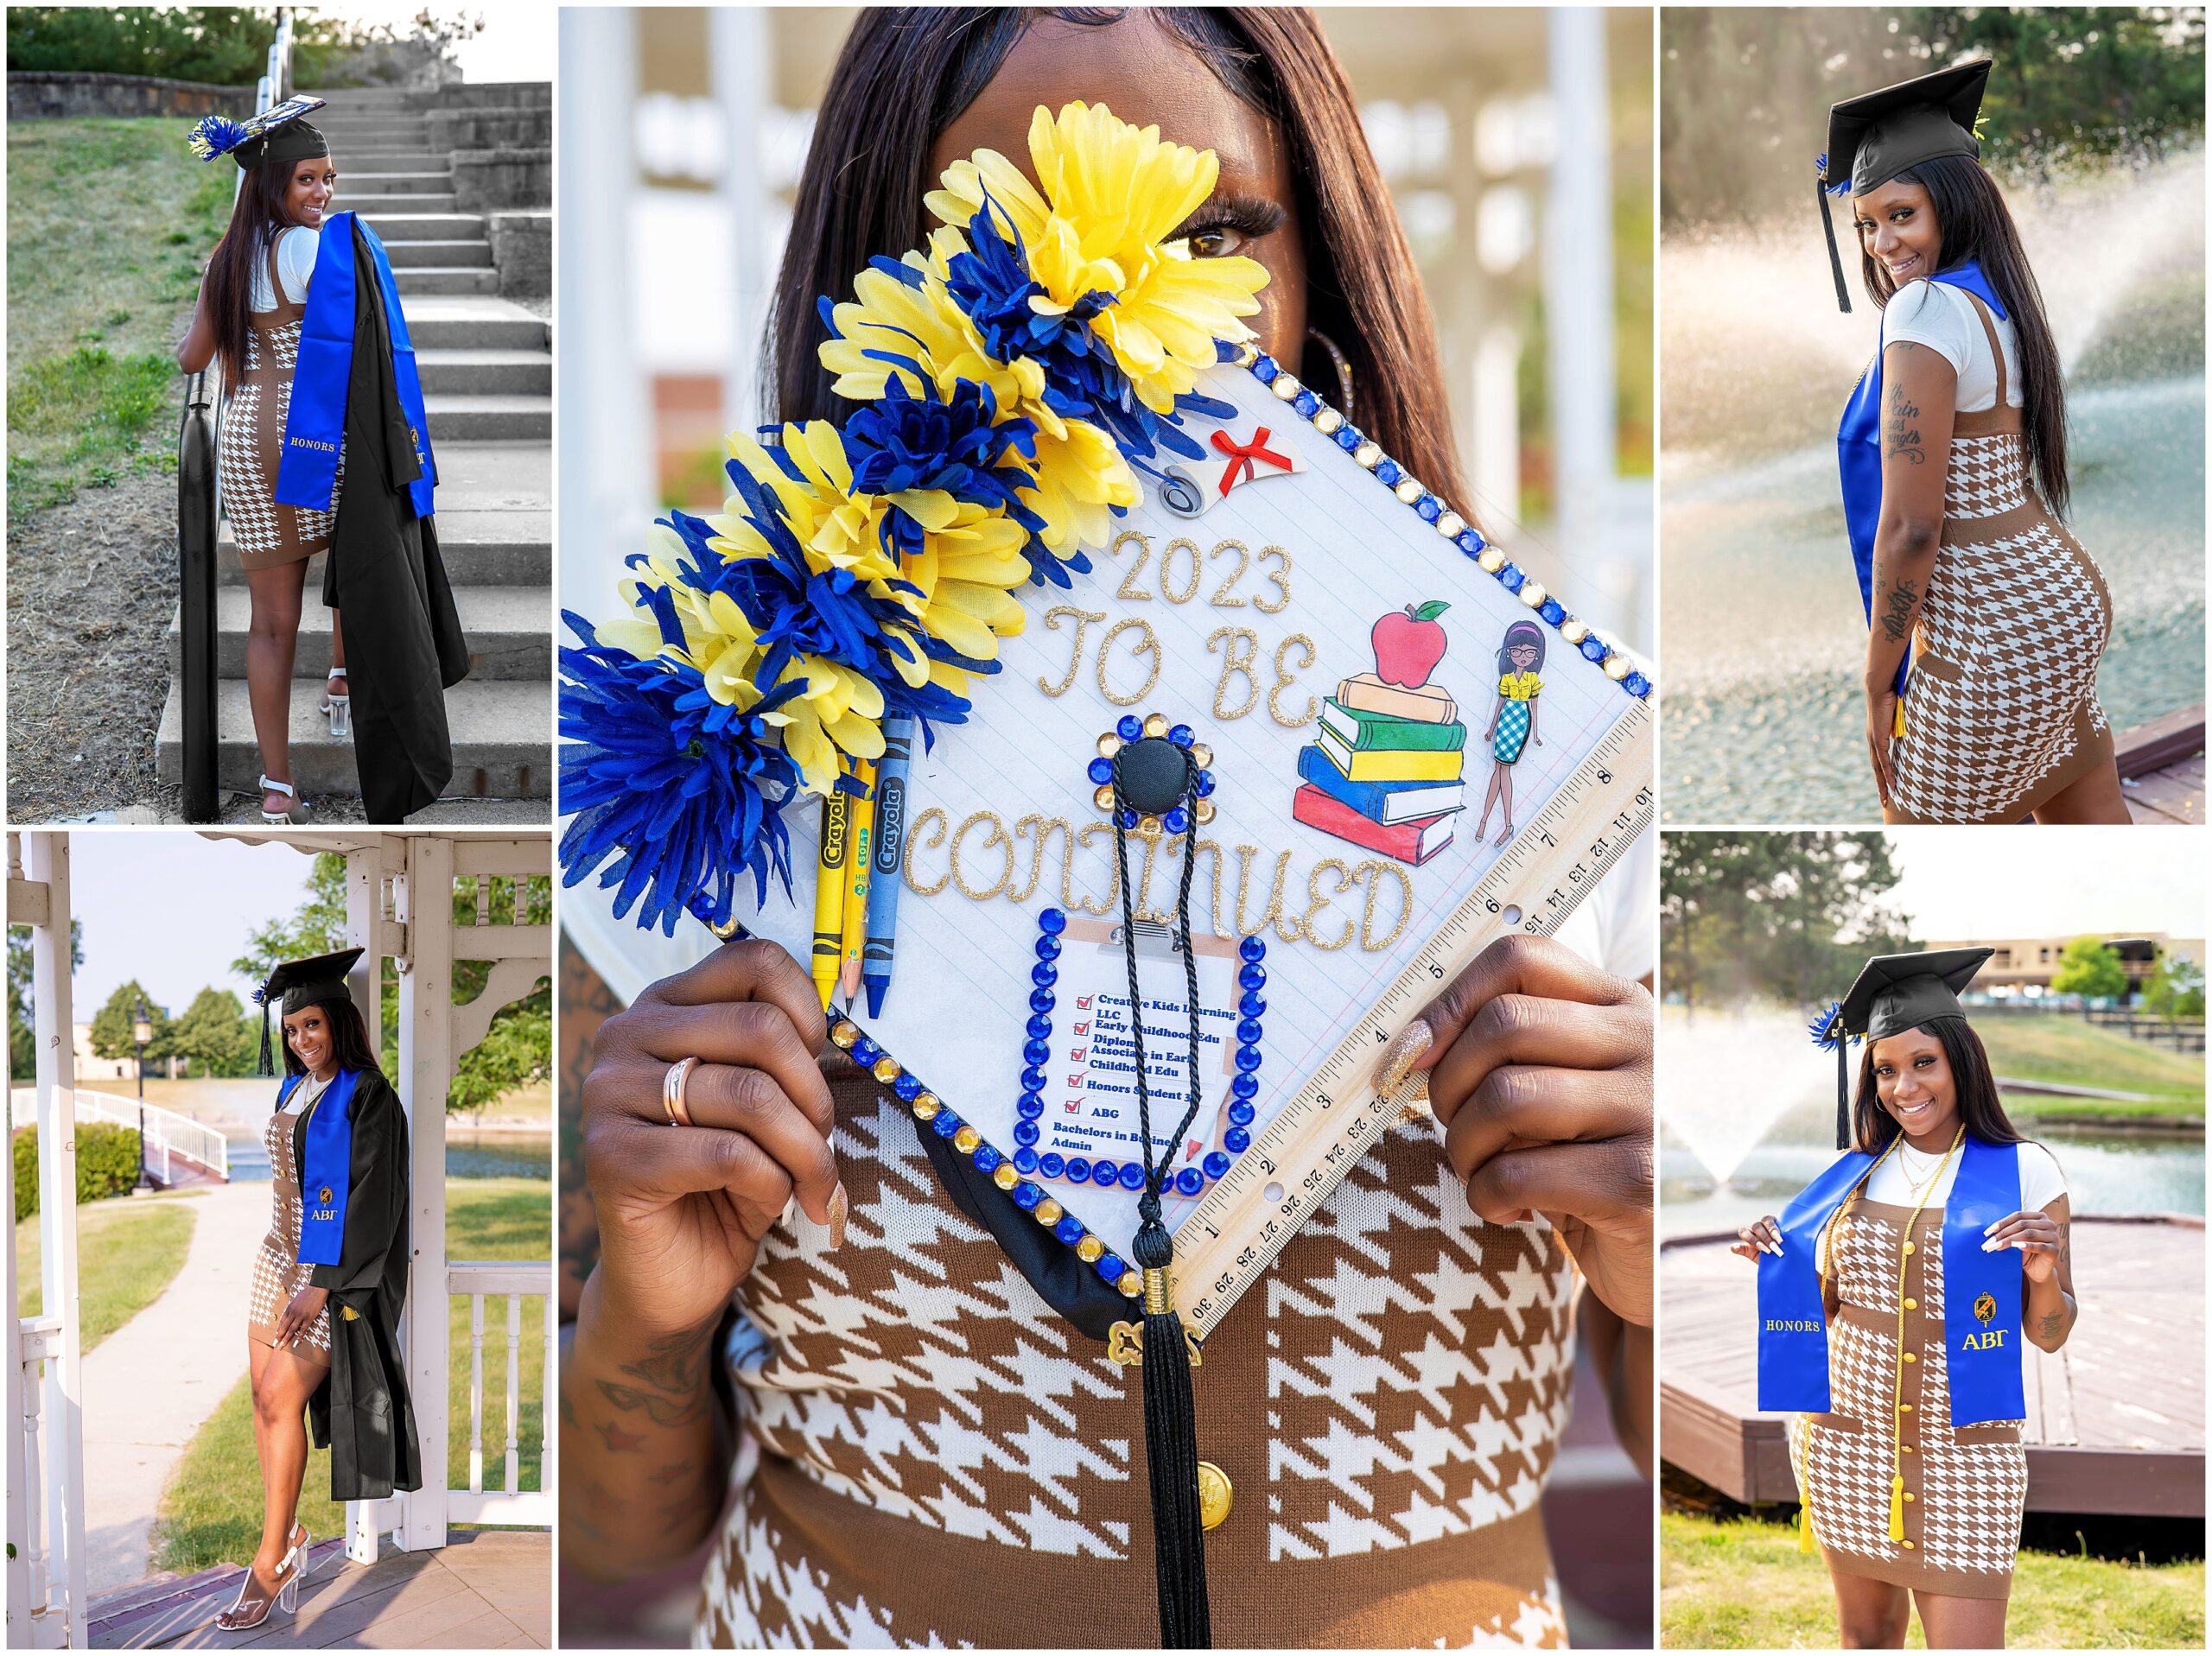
[469, 1156]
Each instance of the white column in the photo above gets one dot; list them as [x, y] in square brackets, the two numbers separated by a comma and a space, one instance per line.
[738, 47]
[426, 1074]
[1578, 274]
[365, 928]
[48, 864]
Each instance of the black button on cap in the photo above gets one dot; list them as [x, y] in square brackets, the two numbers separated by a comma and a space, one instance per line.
[1154, 773]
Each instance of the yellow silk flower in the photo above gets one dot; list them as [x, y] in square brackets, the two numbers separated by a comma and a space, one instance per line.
[1112, 194]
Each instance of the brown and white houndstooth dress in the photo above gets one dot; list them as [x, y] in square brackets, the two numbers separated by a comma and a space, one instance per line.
[2001, 714]
[930, 1456]
[252, 440]
[278, 1273]
[1965, 1486]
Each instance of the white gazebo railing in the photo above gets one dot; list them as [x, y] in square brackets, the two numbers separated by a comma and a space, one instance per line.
[168, 1137]
[477, 1281]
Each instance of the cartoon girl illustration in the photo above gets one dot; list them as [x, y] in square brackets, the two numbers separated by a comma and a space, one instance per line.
[1513, 722]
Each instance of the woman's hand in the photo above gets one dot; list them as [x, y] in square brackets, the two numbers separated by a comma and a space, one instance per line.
[299, 1315]
[681, 1210]
[1540, 1071]
[2036, 1235]
[1881, 727]
[1761, 1236]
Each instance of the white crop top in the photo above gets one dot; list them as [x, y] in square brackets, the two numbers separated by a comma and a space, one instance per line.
[295, 251]
[307, 1092]
[1942, 318]
[2040, 1181]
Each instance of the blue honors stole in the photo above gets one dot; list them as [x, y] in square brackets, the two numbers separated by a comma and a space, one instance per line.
[1858, 453]
[1981, 1291]
[314, 425]
[327, 1170]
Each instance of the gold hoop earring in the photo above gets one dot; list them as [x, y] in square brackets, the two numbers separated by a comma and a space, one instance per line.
[1342, 365]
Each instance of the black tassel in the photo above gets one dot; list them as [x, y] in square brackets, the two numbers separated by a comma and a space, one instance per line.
[268, 1058]
[1171, 1448]
[1835, 259]
[1842, 1091]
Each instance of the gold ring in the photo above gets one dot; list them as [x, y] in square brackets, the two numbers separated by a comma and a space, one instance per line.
[672, 1091]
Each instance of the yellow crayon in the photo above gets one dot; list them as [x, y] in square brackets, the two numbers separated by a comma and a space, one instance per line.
[863, 832]
[829, 893]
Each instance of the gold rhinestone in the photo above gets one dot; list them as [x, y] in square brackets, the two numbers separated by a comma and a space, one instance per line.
[1109, 746]
[1049, 1212]
[1328, 422]
[1155, 724]
[1201, 755]
[1104, 797]
[1131, 1284]
[886, 1069]
[1204, 812]
[1215, 1496]
[843, 1034]
[1090, 1250]
[1573, 630]
[1148, 828]
[1533, 594]
[925, 1107]
[1368, 455]
[1004, 1176]
[1287, 387]
[1409, 490]
[1490, 560]
[1248, 353]
[1450, 526]
[1617, 666]
[727, 929]
[966, 1139]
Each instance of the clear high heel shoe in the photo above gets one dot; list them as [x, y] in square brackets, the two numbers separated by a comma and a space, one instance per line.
[340, 707]
[286, 1598]
[283, 818]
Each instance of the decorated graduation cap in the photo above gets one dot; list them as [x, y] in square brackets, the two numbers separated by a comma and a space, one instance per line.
[1874, 137]
[300, 984]
[1112, 725]
[277, 133]
[1892, 993]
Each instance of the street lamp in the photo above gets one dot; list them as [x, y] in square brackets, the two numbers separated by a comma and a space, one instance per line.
[142, 1032]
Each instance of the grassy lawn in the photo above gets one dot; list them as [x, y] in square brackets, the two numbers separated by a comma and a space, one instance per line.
[2060, 1050]
[211, 1512]
[1739, 1584]
[109, 223]
[127, 1249]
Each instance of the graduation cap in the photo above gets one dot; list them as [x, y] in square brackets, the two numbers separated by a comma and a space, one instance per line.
[1878, 135]
[1202, 680]
[300, 984]
[277, 133]
[1892, 993]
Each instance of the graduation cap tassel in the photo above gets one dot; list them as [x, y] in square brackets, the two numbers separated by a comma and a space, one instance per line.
[1835, 258]
[1842, 1093]
[268, 1059]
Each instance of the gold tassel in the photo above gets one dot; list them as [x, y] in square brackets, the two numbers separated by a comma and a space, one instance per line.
[1897, 1507]
[1805, 1525]
[1896, 722]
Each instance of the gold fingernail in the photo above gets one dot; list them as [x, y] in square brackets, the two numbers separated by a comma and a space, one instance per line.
[1398, 1061]
[840, 1207]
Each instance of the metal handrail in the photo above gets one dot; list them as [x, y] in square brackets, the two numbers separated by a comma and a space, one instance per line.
[177, 1134]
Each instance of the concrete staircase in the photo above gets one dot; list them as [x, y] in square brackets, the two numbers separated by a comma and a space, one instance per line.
[488, 387]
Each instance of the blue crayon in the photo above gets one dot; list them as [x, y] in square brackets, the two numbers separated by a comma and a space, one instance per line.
[887, 857]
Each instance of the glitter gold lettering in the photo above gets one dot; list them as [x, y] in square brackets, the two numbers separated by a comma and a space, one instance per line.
[1237, 656]
[1147, 640]
[931, 834]
[1317, 903]
[1374, 870]
[1083, 619]
[998, 836]
[1284, 682]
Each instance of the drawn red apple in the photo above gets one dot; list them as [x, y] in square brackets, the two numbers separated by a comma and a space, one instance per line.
[1408, 644]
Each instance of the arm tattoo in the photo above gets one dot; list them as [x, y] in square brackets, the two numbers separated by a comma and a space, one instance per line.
[1903, 429]
[1897, 611]
[675, 1392]
[2049, 1326]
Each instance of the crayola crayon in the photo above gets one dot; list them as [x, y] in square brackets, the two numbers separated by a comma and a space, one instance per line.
[887, 857]
[829, 886]
[863, 823]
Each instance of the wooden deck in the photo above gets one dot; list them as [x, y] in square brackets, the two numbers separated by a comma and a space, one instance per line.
[2115, 1419]
[2162, 767]
[485, 1590]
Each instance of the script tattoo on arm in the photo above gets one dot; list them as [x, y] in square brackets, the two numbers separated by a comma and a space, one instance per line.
[1901, 428]
[2050, 1326]
[674, 1390]
[1900, 598]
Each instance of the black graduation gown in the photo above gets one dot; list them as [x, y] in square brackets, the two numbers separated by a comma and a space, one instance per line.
[361, 1412]
[404, 647]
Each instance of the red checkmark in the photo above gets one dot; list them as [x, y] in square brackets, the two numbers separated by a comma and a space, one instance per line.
[1075, 1081]
[1075, 1055]
[1070, 1107]
[1082, 1002]
[1083, 1029]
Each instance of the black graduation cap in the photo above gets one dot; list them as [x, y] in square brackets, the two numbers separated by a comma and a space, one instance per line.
[1893, 993]
[299, 984]
[1874, 138]
[277, 133]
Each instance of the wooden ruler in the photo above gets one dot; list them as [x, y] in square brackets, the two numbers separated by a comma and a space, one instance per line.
[1235, 1234]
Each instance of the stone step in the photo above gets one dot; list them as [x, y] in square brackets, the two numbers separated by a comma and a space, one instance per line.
[436, 228]
[488, 416]
[527, 374]
[373, 206]
[355, 138]
[440, 255]
[480, 549]
[466, 322]
[501, 731]
[508, 629]
[395, 182]
[415, 160]
[478, 279]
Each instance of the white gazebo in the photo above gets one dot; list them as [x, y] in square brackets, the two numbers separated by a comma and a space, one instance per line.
[400, 889]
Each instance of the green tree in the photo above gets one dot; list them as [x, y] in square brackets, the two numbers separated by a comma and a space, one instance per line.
[228, 46]
[22, 1044]
[2175, 988]
[114, 1025]
[2091, 970]
[216, 1035]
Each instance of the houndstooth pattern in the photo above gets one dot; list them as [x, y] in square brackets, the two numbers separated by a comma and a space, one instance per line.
[1988, 475]
[278, 1273]
[2024, 619]
[1976, 1491]
[1415, 1379]
[252, 433]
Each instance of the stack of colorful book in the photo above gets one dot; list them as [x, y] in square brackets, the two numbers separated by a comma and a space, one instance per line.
[1386, 771]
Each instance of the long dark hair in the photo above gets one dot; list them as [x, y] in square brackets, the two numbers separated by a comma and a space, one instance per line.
[349, 1038]
[1982, 1111]
[1975, 223]
[257, 219]
[906, 72]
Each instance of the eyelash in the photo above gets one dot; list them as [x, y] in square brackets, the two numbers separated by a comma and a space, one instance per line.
[1249, 219]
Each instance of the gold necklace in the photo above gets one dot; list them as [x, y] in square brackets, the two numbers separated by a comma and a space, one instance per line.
[1919, 1191]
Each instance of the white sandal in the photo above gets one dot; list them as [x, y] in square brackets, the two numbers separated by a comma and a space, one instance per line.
[340, 707]
[283, 818]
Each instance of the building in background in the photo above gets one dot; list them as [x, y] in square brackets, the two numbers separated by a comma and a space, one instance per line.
[2022, 967]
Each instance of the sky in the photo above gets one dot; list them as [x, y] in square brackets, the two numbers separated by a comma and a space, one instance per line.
[2034, 882]
[516, 43]
[173, 910]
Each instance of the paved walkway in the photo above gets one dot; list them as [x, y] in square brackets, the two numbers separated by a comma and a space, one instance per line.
[152, 1384]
